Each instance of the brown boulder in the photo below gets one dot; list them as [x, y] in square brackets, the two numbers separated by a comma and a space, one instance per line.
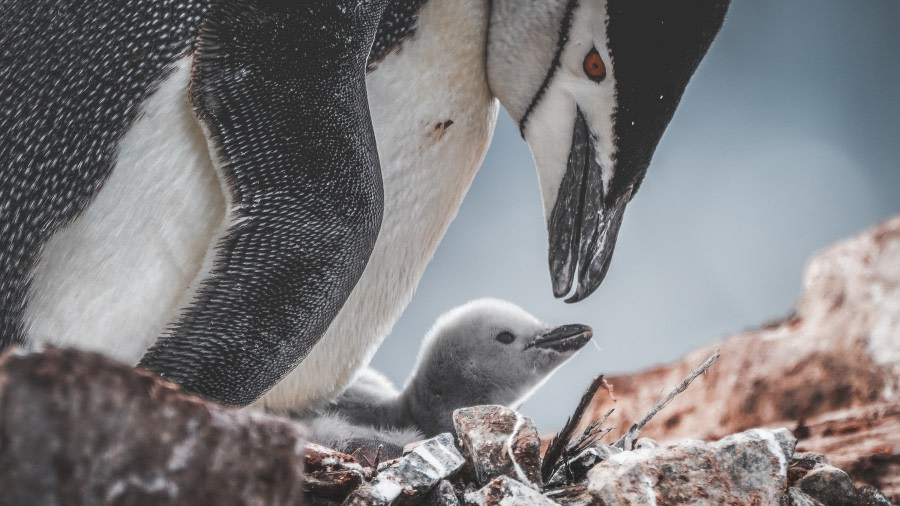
[78, 428]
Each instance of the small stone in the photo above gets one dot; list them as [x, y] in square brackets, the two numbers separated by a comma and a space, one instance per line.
[645, 443]
[411, 477]
[330, 474]
[830, 486]
[745, 468]
[505, 491]
[803, 463]
[499, 442]
[581, 464]
[815, 457]
[442, 495]
[798, 498]
[871, 496]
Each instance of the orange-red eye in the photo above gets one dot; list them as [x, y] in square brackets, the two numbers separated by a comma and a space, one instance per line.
[594, 66]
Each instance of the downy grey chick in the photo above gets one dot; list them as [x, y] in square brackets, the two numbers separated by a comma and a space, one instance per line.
[487, 351]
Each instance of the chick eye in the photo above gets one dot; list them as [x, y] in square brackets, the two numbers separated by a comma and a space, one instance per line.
[505, 337]
[594, 66]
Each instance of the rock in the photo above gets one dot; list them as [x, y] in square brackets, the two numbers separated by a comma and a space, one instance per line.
[412, 476]
[829, 485]
[505, 491]
[442, 495]
[78, 428]
[831, 369]
[803, 463]
[499, 442]
[746, 468]
[645, 443]
[864, 442]
[579, 466]
[870, 496]
[330, 474]
[798, 498]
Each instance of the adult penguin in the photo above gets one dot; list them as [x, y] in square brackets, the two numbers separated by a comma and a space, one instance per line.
[139, 235]
[278, 89]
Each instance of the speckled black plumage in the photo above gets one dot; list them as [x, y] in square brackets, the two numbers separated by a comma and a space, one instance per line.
[656, 45]
[280, 87]
[397, 25]
[73, 74]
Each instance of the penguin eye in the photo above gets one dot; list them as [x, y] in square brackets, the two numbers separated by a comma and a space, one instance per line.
[505, 337]
[594, 66]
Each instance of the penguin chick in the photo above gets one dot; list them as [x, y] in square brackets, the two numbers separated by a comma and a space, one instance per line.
[487, 351]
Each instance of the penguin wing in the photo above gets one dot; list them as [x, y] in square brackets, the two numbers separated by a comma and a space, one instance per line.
[279, 88]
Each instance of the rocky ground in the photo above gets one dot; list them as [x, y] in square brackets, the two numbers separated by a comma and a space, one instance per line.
[830, 371]
[77, 428]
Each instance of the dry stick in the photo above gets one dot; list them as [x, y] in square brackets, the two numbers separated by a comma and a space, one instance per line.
[589, 436]
[558, 443]
[627, 440]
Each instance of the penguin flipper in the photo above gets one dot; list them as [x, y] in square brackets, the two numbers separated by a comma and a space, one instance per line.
[280, 89]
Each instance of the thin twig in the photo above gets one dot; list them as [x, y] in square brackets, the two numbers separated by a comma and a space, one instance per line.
[626, 441]
[589, 436]
[558, 443]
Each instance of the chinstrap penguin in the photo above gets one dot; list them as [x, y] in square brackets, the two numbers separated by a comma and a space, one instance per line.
[487, 351]
[140, 213]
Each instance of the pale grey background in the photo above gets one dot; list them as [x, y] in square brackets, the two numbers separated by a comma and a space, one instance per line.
[787, 139]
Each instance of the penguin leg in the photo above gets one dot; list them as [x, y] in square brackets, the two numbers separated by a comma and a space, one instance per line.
[279, 88]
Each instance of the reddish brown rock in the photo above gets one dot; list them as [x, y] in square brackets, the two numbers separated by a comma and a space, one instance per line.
[503, 491]
[831, 370]
[330, 474]
[77, 428]
[499, 441]
[749, 468]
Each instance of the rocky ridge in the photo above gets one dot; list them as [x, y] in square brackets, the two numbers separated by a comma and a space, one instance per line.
[830, 370]
[77, 428]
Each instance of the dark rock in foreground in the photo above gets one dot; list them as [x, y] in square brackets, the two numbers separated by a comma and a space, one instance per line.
[77, 428]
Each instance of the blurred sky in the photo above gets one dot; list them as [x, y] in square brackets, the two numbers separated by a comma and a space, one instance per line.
[787, 139]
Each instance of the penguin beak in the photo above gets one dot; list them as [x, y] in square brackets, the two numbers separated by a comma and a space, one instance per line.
[564, 338]
[584, 224]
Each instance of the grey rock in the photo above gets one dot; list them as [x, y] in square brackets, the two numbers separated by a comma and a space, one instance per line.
[803, 463]
[871, 496]
[745, 468]
[798, 498]
[499, 442]
[811, 456]
[579, 466]
[503, 491]
[442, 495]
[411, 477]
[645, 443]
[79, 428]
[829, 485]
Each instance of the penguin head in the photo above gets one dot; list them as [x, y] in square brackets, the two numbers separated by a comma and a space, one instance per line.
[490, 351]
[592, 85]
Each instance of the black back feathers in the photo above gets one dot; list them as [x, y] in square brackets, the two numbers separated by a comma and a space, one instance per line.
[280, 87]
